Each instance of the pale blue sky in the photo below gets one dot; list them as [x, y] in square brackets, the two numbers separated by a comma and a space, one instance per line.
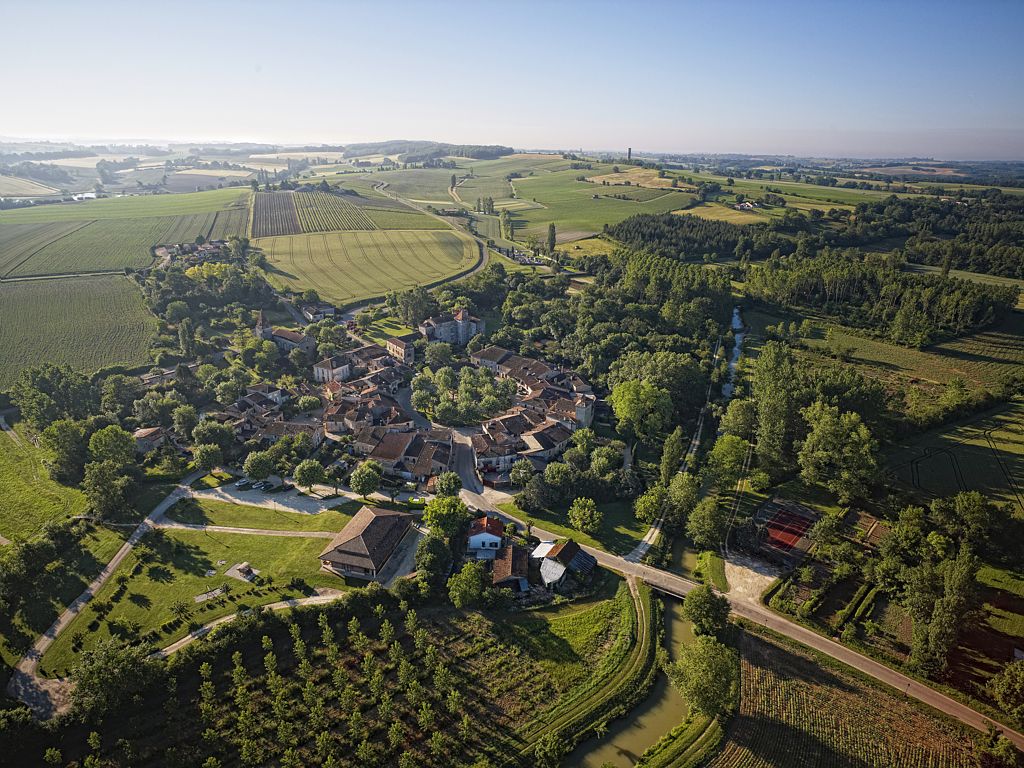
[858, 78]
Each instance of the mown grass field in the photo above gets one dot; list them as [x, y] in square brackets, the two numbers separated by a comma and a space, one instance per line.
[87, 322]
[384, 328]
[28, 500]
[200, 511]
[351, 266]
[28, 497]
[984, 453]
[796, 712]
[426, 184]
[13, 186]
[178, 570]
[570, 204]
[619, 532]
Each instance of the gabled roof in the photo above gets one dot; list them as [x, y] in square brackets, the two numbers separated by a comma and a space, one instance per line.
[368, 539]
[492, 354]
[510, 562]
[392, 446]
[147, 432]
[491, 525]
[293, 336]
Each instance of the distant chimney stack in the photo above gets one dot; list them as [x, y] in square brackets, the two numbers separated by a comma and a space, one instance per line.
[629, 153]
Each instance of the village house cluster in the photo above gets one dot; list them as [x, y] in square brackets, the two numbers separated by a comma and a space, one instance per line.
[553, 403]
[551, 564]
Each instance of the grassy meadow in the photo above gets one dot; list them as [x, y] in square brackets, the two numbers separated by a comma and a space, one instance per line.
[351, 266]
[200, 511]
[87, 322]
[177, 570]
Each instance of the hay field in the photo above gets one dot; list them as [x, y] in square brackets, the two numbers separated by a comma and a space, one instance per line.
[87, 322]
[352, 266]
[722, 212]
[13, 186]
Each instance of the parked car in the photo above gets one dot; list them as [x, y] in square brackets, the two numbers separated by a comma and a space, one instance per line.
[262, 485]
[245, 482]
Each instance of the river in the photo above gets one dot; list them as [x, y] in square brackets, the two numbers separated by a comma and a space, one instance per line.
[737, 350]
[659, 713]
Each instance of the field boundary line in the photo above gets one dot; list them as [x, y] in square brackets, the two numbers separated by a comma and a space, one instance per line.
[57, 239]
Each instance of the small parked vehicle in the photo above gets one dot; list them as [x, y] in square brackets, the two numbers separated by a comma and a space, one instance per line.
[245, 482]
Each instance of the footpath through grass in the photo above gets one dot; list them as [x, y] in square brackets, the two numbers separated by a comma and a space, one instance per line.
[179, 565]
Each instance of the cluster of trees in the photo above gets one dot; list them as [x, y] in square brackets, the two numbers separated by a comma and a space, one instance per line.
[820, 419]
[465, 397]
[870, 291]
[588, 473]
[707, 672]
[980, 232]
[929, 563]
[678, 237]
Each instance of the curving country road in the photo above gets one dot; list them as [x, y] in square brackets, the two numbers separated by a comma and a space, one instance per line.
[751, 609]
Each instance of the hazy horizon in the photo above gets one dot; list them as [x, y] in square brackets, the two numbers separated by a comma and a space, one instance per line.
[879, 81]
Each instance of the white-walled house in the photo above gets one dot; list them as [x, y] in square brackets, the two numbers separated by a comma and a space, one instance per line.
[486, 535]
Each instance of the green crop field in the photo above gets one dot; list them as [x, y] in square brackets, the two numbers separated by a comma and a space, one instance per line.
[107, 244]
[324, 212]
[793, 711]
[141, 206]
[87, 322]
[352, 266]
[985, 453]
[187, 564]
[19, 241]
[427, 184]
[570, 204]
[813, 192]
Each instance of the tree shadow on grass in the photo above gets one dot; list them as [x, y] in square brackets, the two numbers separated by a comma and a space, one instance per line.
[140, 600]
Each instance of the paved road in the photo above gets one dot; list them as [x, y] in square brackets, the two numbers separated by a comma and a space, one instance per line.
[47, 697]
[751, 609]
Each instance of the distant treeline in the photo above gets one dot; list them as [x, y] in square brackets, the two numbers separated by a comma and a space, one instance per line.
[44, 172]
[871, 291]
[420, 151]
[50, 154]
[690, 238]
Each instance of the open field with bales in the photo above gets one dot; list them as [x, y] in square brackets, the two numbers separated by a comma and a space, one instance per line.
[180, 565]
[724, 212]
[87, 322]
[351, 266]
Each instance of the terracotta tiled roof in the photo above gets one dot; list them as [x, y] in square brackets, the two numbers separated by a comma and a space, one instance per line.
[368, 539]
[491, 525]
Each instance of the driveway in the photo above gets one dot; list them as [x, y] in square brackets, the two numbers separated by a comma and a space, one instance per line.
[403, 559]
[291, 500]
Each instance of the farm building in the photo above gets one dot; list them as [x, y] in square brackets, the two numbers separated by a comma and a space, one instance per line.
[148, 439]
[560, 558]
[364, 546]
[511, 569]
